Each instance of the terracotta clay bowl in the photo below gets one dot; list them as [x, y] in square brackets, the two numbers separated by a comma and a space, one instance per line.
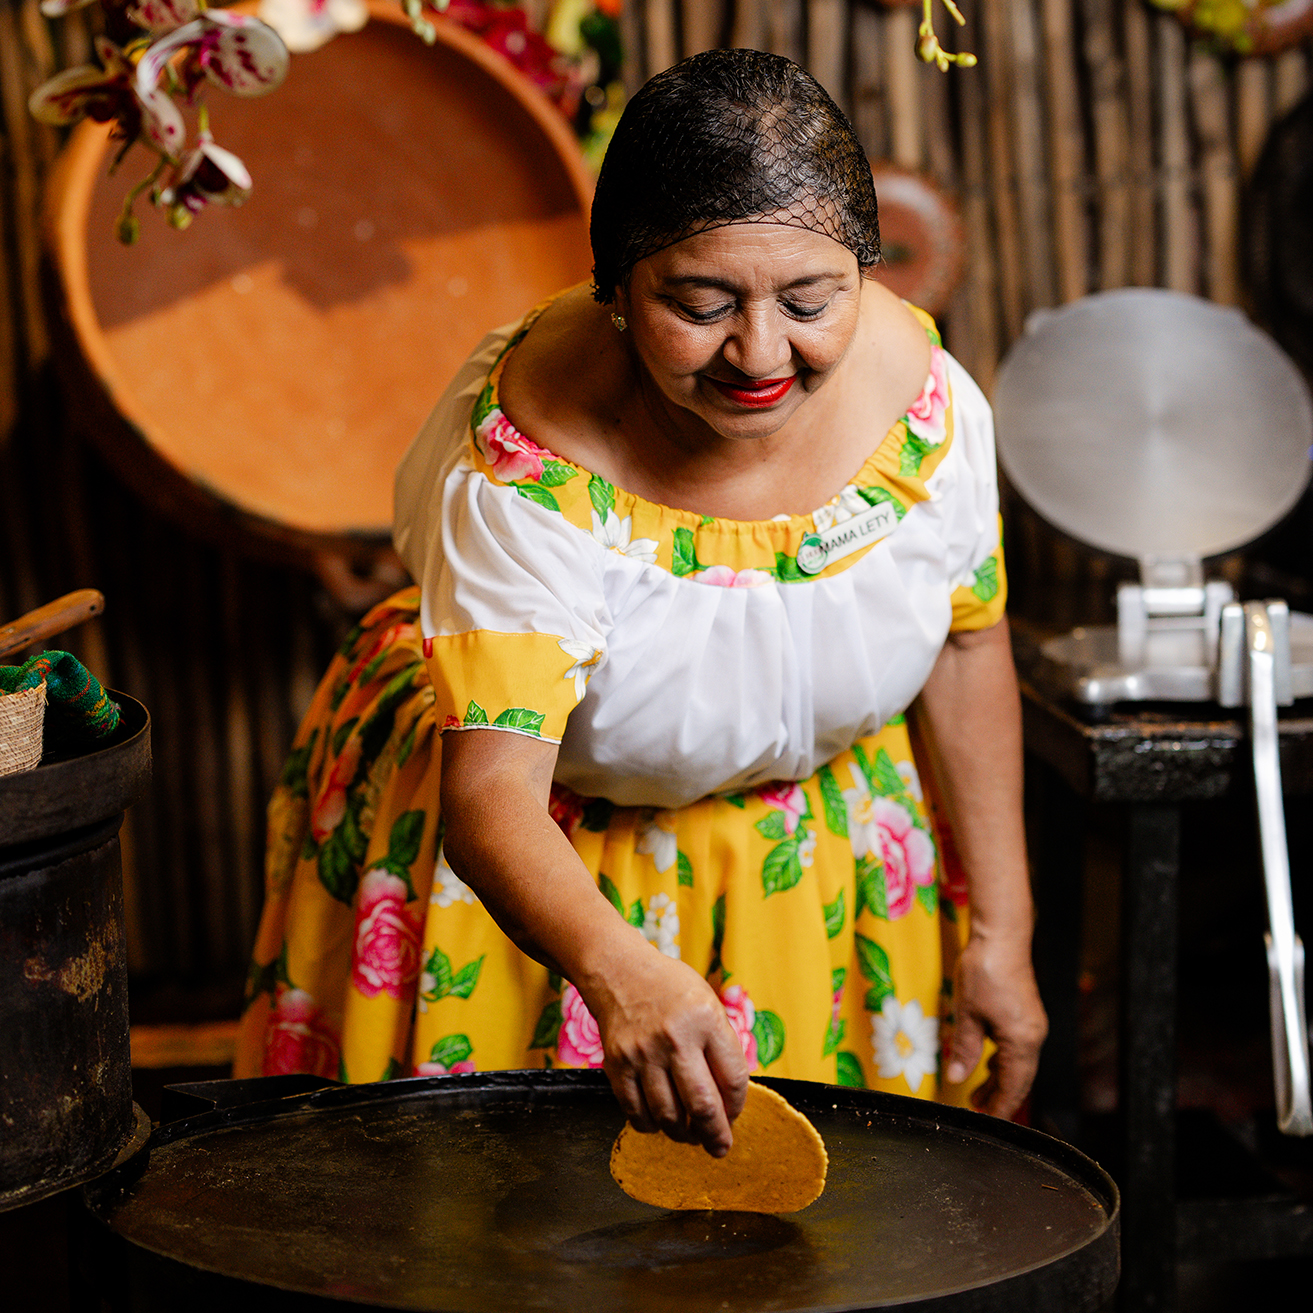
[922, 245]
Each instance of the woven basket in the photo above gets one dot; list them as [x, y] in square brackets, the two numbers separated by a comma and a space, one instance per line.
[22, 719]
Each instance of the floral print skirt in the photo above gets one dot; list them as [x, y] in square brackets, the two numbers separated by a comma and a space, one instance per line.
[825, 913]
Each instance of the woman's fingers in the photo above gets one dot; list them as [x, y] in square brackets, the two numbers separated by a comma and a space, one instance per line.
[966, 1043]
[729, 1068]
[707, 1119]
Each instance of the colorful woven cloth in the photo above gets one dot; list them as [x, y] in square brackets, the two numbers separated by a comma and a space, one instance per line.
[77, 708]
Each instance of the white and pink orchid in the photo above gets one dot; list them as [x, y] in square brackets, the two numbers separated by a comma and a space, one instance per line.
[206, 175]
[306, 25]
[234, 51]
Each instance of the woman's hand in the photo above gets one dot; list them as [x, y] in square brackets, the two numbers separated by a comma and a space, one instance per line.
[995, 995]
[672, 1057]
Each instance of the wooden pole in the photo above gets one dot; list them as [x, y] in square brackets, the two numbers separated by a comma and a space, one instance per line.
[1253, 116]
[1108, 92]
[1001, 170]
[748, 29]
[1180, 242]
[1067, 151]
[870, 112]
[659, 30]
[1291, 78]
[1221, 199]
[1143, 198]
[903, 78]
[703, 22]
[784, 18]
[1032, 172]
[826, 47]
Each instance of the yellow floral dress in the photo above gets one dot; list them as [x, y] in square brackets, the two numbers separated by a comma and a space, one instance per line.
[734, 768]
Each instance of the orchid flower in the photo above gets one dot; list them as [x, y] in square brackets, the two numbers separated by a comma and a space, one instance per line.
[240, 54]
[206, 175]
[306, 25]
[160, 16]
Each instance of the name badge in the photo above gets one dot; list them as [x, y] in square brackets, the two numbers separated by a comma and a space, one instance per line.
[821, 549]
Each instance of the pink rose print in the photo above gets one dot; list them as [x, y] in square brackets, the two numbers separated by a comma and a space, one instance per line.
[330, 806]
[926, 417]
[387, 949]
[298, 1037]
[742, 1013]
[787, 798]
[838, 1002]
[566, 808]
[579, 1043]
[438, 1069]
[511, 455]
[722, 576]
[908, 854]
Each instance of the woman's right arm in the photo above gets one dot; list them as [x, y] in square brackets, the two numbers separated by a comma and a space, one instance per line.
[672, 1057]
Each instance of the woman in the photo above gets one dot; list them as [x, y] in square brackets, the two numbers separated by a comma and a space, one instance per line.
[629, 783]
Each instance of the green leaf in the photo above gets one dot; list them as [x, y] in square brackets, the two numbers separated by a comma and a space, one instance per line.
[340, 690]
[782, 869]
[871, 893]
[483, 407]
[554, 981]
[297, 767]
[395, 1071]
[864, 765]
[341, 735]
[849, 1071]
[685, 868]
[873, 963]
[310, 848]
[602, 495]
[371, 669]
[548, 1027]
[521, 718]
[878, 496]
[768, 1030]
[349, 642]
[378, 728]
[684, 556]
[636, 915]
[463, 982]
[404, 837]
[949, 909]
[407, 746]
[915, 450]
[706, 520]
[535, 492]
[985, 586]
[341, 1070]
[555, 473]
[837, 977]
[605, 884]
[836, 810]
[887, 779]
[338, 873]
[771, 826]
[928, 896]
[718, 924]
[898, 719]
[786, 569]
[438, 966]
[451, 1049]
[475, 715]
[597, 815]
[835, 915]
[834, 1036]
[736, 800]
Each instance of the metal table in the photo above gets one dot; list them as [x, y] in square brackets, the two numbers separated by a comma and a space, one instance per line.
[1151, 761]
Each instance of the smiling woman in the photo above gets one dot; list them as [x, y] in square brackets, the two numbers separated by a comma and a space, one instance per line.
[628, 780]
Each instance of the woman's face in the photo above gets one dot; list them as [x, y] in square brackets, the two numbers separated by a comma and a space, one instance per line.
[739, 325]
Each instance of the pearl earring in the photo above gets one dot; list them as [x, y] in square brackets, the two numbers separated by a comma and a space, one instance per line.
[618, 321]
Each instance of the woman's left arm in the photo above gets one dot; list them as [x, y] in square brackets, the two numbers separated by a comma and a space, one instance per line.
[972, 710]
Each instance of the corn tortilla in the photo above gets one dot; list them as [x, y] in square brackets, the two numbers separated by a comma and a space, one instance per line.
[777, 1163]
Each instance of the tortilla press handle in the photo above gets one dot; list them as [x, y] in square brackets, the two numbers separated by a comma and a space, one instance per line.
[53, 618]
[1285, 951]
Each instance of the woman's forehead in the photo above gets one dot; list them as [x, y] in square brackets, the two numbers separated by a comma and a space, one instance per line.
[754, 251]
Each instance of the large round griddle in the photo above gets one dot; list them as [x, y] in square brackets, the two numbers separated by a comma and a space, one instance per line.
[492, 1192]
[1145, 422]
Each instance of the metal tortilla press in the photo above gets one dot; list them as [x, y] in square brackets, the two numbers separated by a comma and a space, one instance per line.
[1163, 427]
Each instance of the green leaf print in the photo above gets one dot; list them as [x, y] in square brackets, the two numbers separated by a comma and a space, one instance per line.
[602, 495]
[636, 915]
[873, 963]
[771, 826]
[341, 734]
[394, 1071]
[404, 837]
[376, 731]
[878, 496]
[483, 407]
[684, 556]
[768, 1030]
[344, 648]
[782, 868]
[266, 979]
[597, 815]
[836, 810]
[736, 800]
[463, 982]
[915, 450]
[337, 867]
[341, 1071]
[871, 895]
[548, 1027]
[834, 1036]
[985, 585]
[786, 569]
[521, 718]
[887, 779]
[475, 715]
[928, 896]
[898, 719]
[297, 767]
[372, 669]
[849, 1071]
[718, 938]
[438, 965]
[607, 886]
[837, 976]
[555, 981]
[535, 492]
[451, 1049]
[835, 916]
[949, 909]
[864, 765]
[685, 869]
[555, 473]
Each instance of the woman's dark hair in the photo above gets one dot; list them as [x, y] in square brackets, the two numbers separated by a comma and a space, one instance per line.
[724, 137]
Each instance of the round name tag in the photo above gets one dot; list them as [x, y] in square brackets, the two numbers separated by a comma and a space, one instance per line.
[812, 554]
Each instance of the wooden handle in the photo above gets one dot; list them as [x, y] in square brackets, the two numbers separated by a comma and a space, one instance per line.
[53, 618]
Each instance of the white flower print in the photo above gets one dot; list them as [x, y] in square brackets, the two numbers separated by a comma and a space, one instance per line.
[848, 503]
[807, 848]
[448, 887]
[658, 839]
[906, 1041]
[863, 832]
[661, 924]
[911, 780]
[586, 658]
[614, 533]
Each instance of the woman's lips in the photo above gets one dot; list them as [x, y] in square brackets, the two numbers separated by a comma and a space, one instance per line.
[768, 392]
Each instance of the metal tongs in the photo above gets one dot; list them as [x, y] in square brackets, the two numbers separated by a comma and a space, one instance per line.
[1254, 667]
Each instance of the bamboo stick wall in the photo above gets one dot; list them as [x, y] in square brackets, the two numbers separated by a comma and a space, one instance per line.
[1093, 147]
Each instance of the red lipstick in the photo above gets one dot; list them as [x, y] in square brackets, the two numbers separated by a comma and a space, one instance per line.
[766, 392]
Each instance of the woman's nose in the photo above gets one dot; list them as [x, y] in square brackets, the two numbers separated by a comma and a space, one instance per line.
[757, 346]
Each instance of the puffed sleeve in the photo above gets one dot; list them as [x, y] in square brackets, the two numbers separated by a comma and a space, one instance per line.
[979, 582]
